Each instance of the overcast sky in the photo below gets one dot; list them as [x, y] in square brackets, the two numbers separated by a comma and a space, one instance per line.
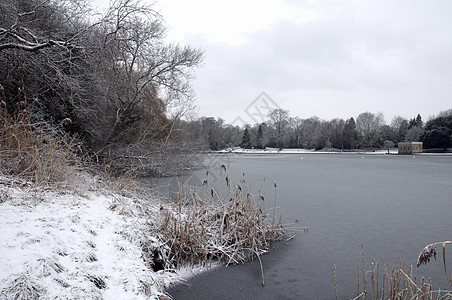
[325, 58]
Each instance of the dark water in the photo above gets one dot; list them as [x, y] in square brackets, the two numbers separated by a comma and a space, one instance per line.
[390, 205]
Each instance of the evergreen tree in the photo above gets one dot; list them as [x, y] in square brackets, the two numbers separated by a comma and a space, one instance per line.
[350, 134]
[438, 133]
[416, 122]
[260, 138]
[246, 141]
[419, 121]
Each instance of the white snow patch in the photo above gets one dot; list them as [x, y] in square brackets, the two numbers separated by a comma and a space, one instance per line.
[71, 245]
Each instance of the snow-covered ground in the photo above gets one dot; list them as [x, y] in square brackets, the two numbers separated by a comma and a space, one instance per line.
[81, 243]
[238, 150]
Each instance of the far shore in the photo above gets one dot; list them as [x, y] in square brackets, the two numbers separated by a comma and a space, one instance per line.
[391, 151]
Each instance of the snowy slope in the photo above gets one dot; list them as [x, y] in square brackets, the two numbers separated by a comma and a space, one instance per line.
[73, 244]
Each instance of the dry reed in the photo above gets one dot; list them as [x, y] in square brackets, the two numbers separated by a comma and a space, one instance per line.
[397, 283]
[36, 151]
[233, 229]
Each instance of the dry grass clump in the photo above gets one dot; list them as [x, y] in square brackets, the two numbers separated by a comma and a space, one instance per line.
[125, 182]
[233, 229]
[34, 150]
[397, 283]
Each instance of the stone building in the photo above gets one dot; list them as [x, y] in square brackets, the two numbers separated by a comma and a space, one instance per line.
[410, 147]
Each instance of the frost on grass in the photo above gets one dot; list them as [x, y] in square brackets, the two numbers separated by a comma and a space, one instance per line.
[21, 287]
[426, 254]
[233, 229]
[69, 246]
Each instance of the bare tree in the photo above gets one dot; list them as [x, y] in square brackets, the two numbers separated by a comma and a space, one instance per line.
[42, 51]
[279, 119]
[25, 25]
[141, 67]
[368, 125]
[121, 85]
[414, 134]
[296, 135]
[337, 140]
[400, 126]
[311, 132]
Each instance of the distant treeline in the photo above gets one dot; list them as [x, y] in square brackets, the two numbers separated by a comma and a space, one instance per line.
[367, 131]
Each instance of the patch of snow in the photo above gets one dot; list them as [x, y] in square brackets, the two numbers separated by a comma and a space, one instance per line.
[75, 245]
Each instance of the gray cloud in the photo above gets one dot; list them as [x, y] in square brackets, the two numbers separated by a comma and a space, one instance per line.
[347, 57]
[388, 56]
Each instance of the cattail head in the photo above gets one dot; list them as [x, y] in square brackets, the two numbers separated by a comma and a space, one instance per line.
[223, 167]
[426, 254]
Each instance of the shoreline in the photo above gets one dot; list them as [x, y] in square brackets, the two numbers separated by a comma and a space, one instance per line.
[273, 151]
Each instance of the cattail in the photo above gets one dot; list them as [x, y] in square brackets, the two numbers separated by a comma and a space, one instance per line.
[426, 254]
[223, 167]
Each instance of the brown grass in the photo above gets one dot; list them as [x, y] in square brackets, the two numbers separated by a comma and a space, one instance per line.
[233, 229]
[34, 150]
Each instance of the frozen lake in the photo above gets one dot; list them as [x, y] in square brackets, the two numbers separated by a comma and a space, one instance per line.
[390, 205]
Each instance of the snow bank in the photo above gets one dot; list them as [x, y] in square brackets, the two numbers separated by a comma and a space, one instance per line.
[74, 244]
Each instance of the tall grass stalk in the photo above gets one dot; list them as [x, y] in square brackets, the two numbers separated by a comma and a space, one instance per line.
[397, 284]
[233, 229]
[34, 150]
